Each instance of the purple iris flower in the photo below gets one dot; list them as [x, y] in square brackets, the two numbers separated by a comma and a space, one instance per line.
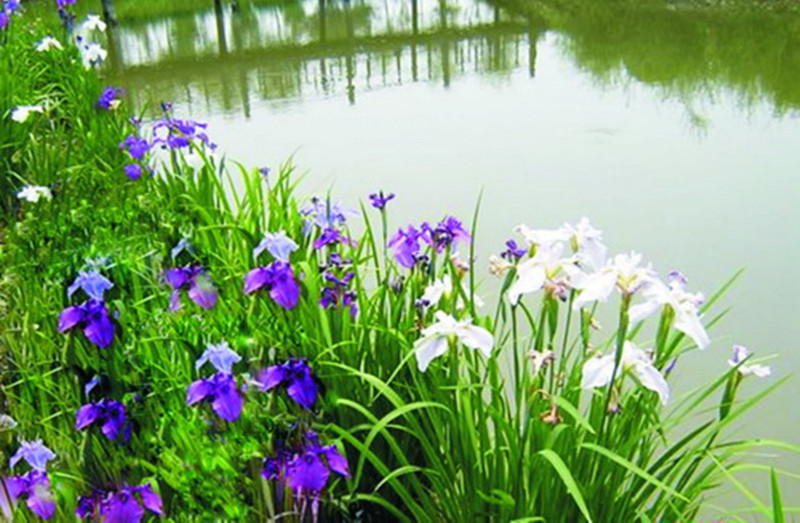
[109, 98]
[338, 294]
[121, 506]
[93, 317]
[11, 5]
[133, 171]
[35, 454]
[91, 384]
[447, 233]
[181, 133]
[325, 214]
[308, 470]
[110, 414]
[296, 375]
[331, 236]
[221, 356]
[406, 247]
[93, 284]
[279, 279]
[194, 277]
[278, 244]
[220, 390]
[4, 20]
[135, 146]
[34, 487]
[264, 172]
[379, 201]
[513, 252]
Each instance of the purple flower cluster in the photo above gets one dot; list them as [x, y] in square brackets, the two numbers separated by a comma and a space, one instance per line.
[196, 280]
[109, 99]
[137, 148]
[109, 414]
[296, 376]
[337, 293]
[331, 236]
[179, 134]
[34, 485]
[92, 315]
[9, 7]
[127, 504]
[407, 244]
[278, 279]
[513, 251]
[67, 17]
[307, 470]
[379, 201]
[220, 389]
[324, 214]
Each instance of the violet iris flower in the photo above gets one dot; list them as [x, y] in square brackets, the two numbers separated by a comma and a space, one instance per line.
[180, 134]
[136, 147]
[325, 214]
[513, 252]
[133, 171]
[221, 356]
[379, 201]
[92, 283]
[34, 487]
[278, 278]
[35, 454]
[338, 294]
[406, 247]
[193, 277]
[110, 414]
[447, 233]
[332, 236]
[296, 376]
[279, 245]
[109, 98]
[308, 470]
[93, 317]
[220, 390]
[182, 245]
[126, 505]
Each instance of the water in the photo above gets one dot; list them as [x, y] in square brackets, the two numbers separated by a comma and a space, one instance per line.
[675, 129]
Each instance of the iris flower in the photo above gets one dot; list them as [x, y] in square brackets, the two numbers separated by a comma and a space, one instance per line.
[546, 268]
[48, 43]
[449, 232]
[740, 354]
[336, 293]
[220, 390]
[597, 370]
[125, 505]
[379, 201]
[196, 280]
[623, 272]
[34, 485]
[278, 278]
[93, 317]
[21, 113]
[34, 193]
[685, 305]
[435, 339]
[109, 99]
[296, 376]
[405, 245]
[92, 283]
[278, 244]
[109, 414]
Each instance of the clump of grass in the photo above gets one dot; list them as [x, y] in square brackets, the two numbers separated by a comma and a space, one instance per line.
[442, 411]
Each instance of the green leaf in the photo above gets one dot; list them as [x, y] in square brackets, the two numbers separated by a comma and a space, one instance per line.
[569, 482]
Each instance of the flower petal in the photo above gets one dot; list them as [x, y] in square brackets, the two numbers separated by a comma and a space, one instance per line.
[429, 348]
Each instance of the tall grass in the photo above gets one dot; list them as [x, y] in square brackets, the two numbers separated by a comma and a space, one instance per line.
[471, 438]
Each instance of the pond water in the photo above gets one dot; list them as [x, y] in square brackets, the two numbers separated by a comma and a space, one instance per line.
[675, 129]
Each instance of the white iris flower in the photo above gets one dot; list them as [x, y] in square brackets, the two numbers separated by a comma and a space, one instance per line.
[435, 339]
[597, 370]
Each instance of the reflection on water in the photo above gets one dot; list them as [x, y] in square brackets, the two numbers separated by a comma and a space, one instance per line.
[224, 56]
[229, 53]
